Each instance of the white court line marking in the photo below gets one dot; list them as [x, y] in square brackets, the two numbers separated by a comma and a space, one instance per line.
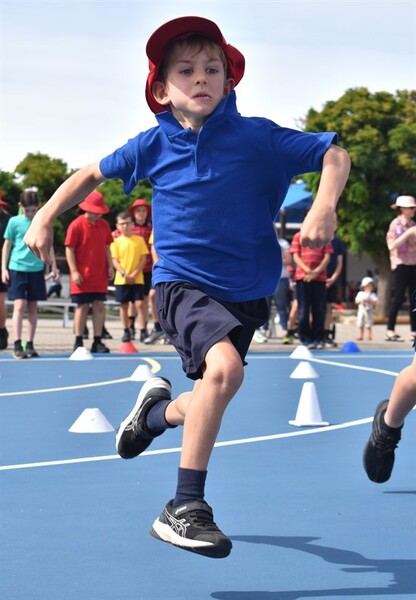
[155, 367]
[357, 367]
[263, 438]
[218, 444]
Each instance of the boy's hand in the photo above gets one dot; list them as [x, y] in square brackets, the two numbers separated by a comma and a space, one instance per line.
[318, 228]
[39, 238]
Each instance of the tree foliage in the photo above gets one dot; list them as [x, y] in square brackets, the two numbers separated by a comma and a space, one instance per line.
[379, 132]
[47, 174]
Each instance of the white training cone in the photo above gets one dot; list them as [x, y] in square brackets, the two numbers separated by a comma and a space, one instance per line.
[142, 373]
[304, 370]
[301, 352]
[81, 353]
[91, 420]
[309, 412]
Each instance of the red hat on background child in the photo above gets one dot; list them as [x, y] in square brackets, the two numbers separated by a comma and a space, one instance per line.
[139, 202]
[182, 28]
[2, 202]
[94, 203]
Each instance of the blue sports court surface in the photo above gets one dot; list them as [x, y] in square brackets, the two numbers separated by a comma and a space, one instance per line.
[304, 519]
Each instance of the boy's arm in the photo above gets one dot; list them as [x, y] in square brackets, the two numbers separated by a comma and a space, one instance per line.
[318, 228]
[39, 237]
[72, 264]
[5, 255]
[109, 258]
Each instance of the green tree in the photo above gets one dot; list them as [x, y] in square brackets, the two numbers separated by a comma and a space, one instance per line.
[379, 132]
[44, 172]
[11, 191]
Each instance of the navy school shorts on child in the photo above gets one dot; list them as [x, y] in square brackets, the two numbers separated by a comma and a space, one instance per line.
[28, 286]
[129, 293]
[88, 297]
[194, 322]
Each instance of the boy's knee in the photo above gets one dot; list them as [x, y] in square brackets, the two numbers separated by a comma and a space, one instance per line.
[227, 373]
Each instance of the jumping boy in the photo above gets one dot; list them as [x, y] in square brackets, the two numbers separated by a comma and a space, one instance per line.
[218, 181]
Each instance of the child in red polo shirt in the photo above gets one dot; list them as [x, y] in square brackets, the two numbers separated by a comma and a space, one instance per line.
[87, 242]
[310, 278]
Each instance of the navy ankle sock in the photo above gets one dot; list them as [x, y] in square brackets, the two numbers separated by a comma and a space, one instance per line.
[191, 486]
[155, 418]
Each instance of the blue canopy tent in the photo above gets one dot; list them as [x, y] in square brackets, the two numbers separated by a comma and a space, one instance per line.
[297, 201]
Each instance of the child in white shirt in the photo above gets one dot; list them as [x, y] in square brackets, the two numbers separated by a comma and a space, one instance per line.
[366, 299]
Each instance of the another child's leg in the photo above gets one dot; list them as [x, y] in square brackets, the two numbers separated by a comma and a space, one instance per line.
[80, 319]
[19, 307]
[32, 319]
[403, 397]
[98, 317]
[387, 424]
[369, 333]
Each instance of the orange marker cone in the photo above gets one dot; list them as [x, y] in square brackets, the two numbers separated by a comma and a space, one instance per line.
[127, 348]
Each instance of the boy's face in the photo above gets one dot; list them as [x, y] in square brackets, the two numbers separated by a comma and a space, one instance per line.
[29, 211]
[195, 85]
[140, 214]
[124, 226]
[92, 217]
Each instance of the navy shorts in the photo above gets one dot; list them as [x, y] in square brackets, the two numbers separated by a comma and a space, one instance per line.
[147, 282]
[27, 286]
[332, 294]
[129, 292]
[88, 297]
[194, 322]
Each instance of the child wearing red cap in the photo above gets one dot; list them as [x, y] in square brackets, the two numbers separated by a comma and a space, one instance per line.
[87, 249]
[218, 182]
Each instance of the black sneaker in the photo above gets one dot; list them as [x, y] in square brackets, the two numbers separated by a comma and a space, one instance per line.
[18, 352]
[30, 351]
[106, 335]
[191, 527]
[378, 455]
[4, 335]
[133, 436]
[132, 333]
[126, 336]
[99, 348]
[154, 335]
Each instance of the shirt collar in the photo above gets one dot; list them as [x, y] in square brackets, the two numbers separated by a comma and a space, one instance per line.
[171, 127]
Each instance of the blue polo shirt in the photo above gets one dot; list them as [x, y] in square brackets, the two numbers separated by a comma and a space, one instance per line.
[216, 195]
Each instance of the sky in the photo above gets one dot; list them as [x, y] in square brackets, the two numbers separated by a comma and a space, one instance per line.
[72, 74]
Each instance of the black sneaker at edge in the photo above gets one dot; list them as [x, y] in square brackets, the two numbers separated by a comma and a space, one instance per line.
[191, 527]
[378, 457]
[133, 436]
[99, 348]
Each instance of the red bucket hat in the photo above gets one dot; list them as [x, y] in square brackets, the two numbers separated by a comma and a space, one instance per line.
[94, 203]
[139, 202]
[184, 27]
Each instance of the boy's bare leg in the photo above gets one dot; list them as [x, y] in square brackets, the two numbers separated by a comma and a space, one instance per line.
[80, 319]
[403, 396]
[19, 308]
[32, 319]
[98, 317]
[222, 378]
